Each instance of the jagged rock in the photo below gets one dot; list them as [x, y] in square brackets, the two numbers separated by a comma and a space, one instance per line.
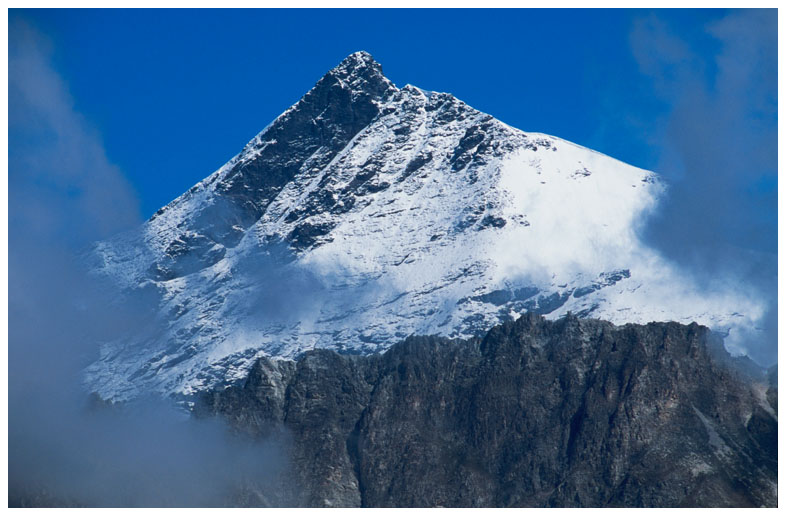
[571, 413]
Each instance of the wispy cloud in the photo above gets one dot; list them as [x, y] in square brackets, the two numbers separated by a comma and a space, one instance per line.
[64, 186]
[718, 144]
[63, 194]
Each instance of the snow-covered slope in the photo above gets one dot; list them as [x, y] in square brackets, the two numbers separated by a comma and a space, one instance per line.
[366, 213]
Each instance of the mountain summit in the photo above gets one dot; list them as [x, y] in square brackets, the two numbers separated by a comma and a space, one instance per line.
[366, 213]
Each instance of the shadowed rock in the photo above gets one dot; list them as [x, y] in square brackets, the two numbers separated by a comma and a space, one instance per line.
[571, 413]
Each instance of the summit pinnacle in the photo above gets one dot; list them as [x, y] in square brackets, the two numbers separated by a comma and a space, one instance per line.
[366, 213]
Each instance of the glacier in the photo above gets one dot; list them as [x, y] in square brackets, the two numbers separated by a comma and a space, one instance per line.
[366, 213]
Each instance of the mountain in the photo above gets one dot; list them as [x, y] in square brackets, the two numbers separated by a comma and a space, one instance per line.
[567, 413]
[366, 213]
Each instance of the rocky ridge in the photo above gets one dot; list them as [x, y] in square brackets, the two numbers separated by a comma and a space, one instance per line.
[570, 413]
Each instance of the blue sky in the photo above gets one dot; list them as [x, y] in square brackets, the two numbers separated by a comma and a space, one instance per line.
[162, 98]
[176, 93]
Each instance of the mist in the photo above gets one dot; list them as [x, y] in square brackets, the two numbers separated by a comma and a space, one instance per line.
[717, 147]
[65, 446]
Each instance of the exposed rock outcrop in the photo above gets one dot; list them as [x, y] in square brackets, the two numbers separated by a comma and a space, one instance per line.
[570, 413]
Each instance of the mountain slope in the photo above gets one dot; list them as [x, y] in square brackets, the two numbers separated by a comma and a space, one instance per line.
[366, 213]
[568, 413]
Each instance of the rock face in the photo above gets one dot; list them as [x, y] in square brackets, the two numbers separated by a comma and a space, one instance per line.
[367, 213]
[570, 413]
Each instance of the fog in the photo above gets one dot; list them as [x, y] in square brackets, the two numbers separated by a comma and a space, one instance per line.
[66, 448]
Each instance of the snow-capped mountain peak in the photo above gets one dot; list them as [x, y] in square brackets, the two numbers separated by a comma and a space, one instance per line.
[366, 213]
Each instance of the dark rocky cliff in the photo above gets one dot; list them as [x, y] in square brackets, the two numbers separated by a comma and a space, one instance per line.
[571, 413]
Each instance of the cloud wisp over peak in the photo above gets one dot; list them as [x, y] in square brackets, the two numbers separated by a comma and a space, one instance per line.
[717, 144]
[64, 193]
